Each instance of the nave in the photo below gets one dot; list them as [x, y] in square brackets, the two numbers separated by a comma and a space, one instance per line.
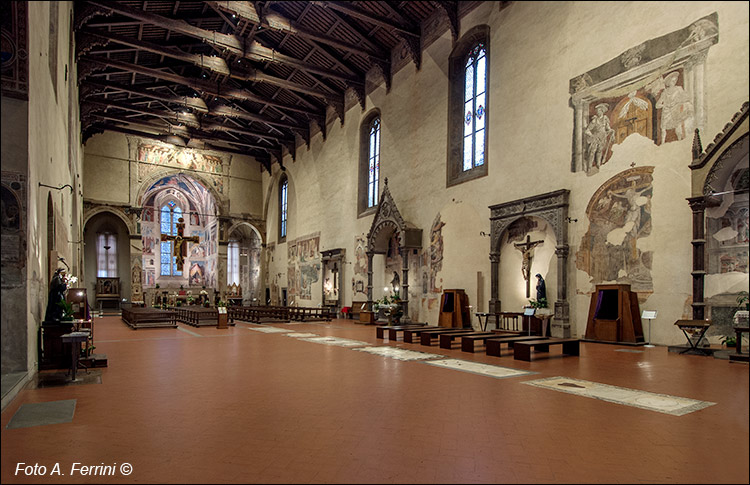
[250, 404]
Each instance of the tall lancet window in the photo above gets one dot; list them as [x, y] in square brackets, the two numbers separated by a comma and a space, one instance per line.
[106, 255]
[475, 106]
[233, 263]
[373, 164]
[283, 206]
[169, 216]
[468, 107]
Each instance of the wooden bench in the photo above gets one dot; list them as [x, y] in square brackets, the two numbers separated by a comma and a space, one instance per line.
[410, 333]
[493, 345]
[446, 339]
[137, 318]
[425, 338]
[522, 350]
[468, 341]
[393, 330]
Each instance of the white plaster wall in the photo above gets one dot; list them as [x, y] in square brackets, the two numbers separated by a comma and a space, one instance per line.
[536, 48]
[54, 158]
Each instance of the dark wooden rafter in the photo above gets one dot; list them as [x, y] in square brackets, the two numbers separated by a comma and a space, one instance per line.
[250, 75]
[88, 64]
[451, 11]
[276, 21]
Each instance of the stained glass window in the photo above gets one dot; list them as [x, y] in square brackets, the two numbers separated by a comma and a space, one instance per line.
[374, 163]
[170, 215]
[475, 108]
[106, 252]
[283, 206]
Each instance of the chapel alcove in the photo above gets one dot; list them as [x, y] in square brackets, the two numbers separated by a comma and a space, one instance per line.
[107, 254]
[720, 223]
[243, 262]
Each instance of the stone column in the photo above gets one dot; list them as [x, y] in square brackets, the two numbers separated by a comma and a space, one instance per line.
[369, 280]
[494, 282]
[405, 285]
[698, 206]
[561, 324]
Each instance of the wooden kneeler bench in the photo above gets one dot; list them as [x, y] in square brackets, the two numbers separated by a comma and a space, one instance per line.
[425, 338]
[493, 345]
[522, 350]
[468, 341]
[446, 339]
[393, 330]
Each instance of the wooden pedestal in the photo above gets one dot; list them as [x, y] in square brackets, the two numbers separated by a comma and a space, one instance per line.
[366, 316]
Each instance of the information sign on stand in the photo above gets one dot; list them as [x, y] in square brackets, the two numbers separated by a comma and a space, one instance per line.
[649, 315]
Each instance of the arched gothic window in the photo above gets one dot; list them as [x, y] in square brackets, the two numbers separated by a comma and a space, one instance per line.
[369, 164]
[106, 255]
[283, 206]
[233, 263]
[169, 216]
[468, 107]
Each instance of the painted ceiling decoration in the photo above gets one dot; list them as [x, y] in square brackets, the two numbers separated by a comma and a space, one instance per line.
[253, 78]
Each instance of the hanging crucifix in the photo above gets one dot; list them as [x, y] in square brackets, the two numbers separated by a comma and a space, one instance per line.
[180, 243]
[525, 249]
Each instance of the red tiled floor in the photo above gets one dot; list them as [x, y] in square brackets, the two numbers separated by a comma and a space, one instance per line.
[241, 406]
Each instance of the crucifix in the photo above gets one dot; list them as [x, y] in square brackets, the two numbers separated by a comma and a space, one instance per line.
[525, 249]
[180, 243]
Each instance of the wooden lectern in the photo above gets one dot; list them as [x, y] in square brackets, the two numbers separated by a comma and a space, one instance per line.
[454, 309]
[614, 315]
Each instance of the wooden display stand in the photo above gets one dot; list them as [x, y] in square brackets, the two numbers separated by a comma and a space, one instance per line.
[454, 309]
[366, 316]
[614, 315]
[222, 320]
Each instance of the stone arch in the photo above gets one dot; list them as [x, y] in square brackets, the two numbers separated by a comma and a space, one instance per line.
[552, 207]
[88, 214]
[150, 180]
[386, 222]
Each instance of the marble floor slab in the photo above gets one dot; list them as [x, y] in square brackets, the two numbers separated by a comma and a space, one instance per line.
[662, 403]
[477, 368]
[40, 413]
[301, 335]
[266, 329]
[400, 354]
[339, 342]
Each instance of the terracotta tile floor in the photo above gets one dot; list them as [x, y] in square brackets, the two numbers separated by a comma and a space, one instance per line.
[240, 406]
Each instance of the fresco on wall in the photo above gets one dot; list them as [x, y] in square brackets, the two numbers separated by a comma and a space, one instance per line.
[359, 280]
[13, 215]
[619, 214]
[436, 254]
[727, 226]
[653, 90]
[197, 274]
[157, 156]
[304, 265]
[518, 230]
[150, 278]
[136, 280]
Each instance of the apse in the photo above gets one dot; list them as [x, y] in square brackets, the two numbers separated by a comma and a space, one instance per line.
[165, 202]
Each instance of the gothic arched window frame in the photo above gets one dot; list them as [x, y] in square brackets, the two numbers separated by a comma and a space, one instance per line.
[175, 211]
[370, 135]
[283, 207]
[468, 123]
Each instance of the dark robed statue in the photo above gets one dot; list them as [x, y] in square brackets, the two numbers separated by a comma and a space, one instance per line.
[57, 289]
[541, 288]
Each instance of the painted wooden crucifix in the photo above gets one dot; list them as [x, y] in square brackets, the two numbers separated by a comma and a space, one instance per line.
[179, 251]
[525, 249]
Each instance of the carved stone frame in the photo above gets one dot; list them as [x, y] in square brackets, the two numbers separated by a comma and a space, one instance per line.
[553, 208]
[386, 222]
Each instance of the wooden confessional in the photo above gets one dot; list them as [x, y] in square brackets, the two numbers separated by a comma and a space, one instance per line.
[614, 315]
[454, 309]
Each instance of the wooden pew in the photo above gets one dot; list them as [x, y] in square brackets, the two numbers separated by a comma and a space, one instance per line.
[522, 350]
[446, 339]
[137, 318]
[493, 345]
[425, 338]
[468, 341]
[392, 330]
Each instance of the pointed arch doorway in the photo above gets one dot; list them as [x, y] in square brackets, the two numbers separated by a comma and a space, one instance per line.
[386, 224]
